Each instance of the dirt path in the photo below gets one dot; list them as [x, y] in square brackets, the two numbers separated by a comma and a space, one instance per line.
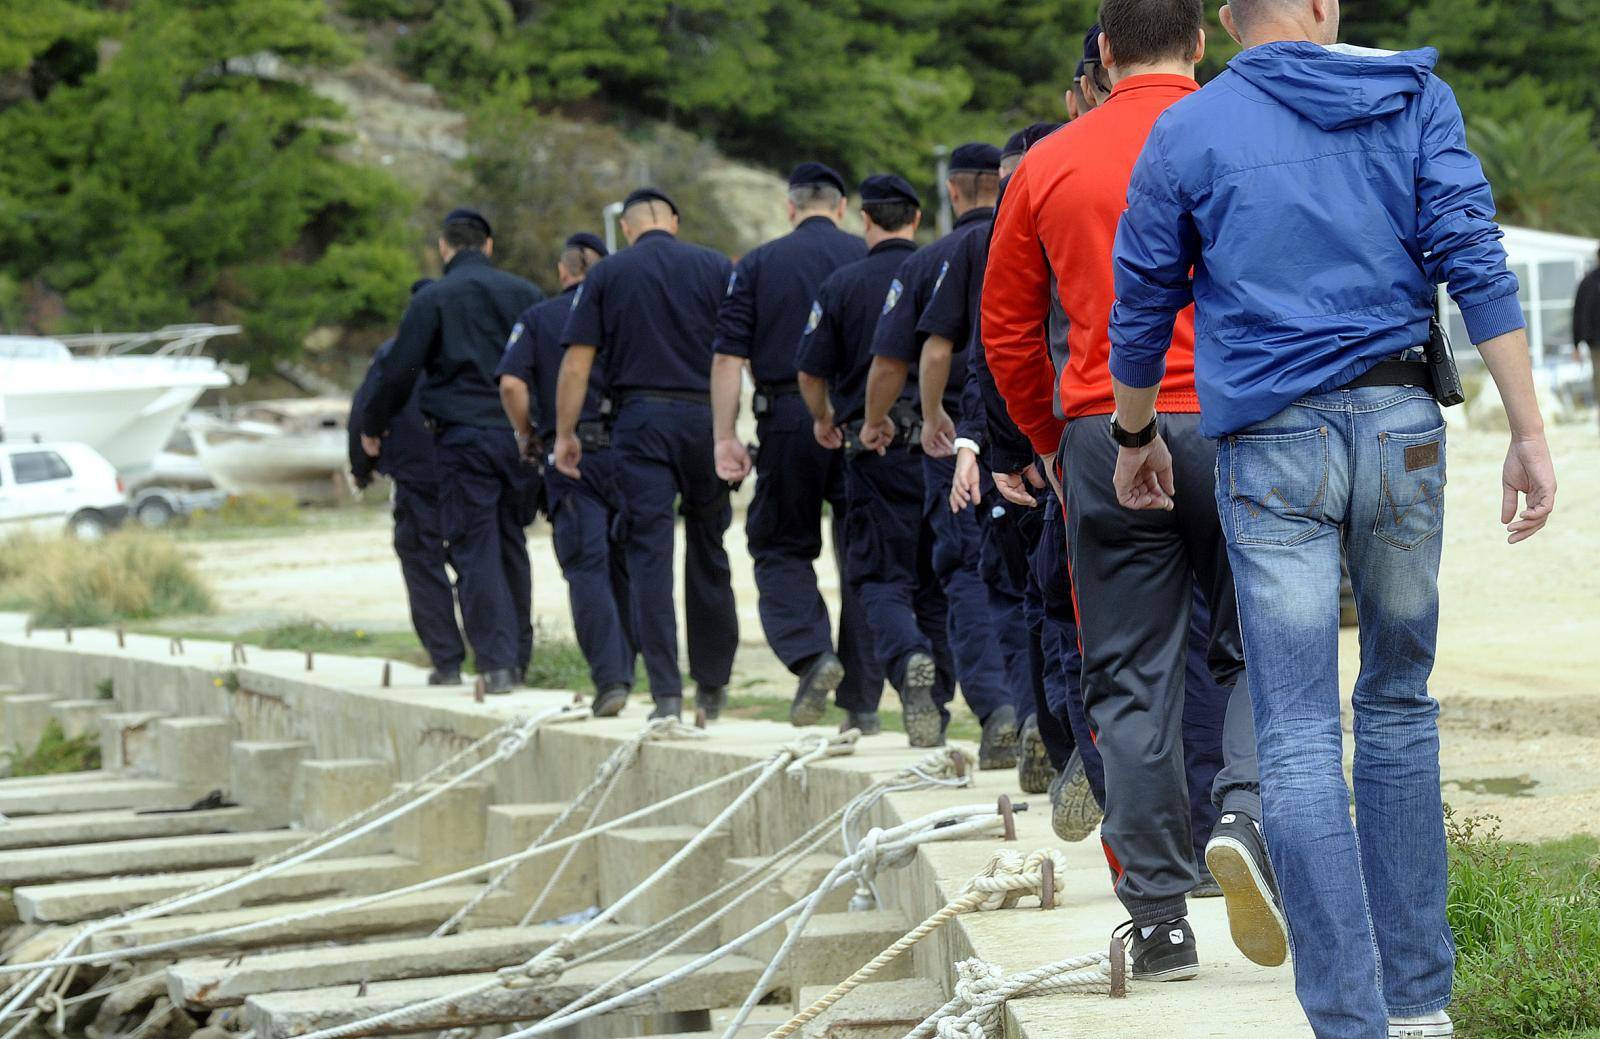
[1518, 672]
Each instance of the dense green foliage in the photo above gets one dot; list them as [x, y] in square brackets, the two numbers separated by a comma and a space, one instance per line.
[56, 753]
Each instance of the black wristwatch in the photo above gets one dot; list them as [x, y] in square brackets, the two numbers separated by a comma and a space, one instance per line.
[1127, 439]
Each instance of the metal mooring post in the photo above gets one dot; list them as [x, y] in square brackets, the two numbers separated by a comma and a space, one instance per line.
[1047, 883]
[1004, 808]
[386, 674]
[122, 637]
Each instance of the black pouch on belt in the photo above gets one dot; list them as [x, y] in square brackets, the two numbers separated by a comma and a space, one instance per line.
[1442, 363]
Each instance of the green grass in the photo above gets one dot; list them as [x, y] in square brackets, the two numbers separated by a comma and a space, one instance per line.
[55, 753]
[1527, 926]
[128, 576]
[255, 517]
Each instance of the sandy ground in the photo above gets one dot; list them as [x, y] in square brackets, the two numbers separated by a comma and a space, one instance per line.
[1518, 672]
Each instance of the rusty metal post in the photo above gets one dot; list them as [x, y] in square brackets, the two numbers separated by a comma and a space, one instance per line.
[174, 647]
[386, 674]
[310, 659]
[67, 630]
[1119, 969]
[236, 653]
[1004, 807]
[478, 689]
[699, 717]
[1047, 883]
[122, 637]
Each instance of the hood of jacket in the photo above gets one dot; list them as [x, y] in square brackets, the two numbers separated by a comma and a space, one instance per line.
[1340, 86]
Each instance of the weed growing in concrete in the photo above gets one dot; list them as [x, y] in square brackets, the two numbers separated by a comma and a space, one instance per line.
[1527, 927]
[105, 689]
[129, 576]
[56, 753]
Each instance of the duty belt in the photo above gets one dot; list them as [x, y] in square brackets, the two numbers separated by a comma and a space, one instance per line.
[767, 392]
[1394, 373]
[682, 396]
[594, 436]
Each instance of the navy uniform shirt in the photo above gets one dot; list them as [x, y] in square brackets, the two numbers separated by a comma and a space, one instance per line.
[839, 330]
[533, 354]
[898, 335]
[771, 292]
[453, 333]
[407, 455]
[651, 311]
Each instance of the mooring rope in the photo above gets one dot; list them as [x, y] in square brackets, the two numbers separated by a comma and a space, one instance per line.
[981, 991]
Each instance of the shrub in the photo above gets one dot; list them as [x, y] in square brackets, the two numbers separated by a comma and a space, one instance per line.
[248, 510]
[129, 576]
[55, 753]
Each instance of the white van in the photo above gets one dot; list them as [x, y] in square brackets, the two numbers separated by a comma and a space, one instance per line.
[52, 488]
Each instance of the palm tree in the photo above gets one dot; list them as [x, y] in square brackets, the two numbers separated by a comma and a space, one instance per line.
[1544, 168]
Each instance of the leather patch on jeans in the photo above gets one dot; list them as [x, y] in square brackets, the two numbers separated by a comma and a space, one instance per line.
[1422, 456]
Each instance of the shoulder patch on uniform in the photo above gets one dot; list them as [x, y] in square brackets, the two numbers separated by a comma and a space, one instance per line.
[577, 296]
[516, 333]
[816, 317]
[895, 291]
[943, 270]
[733, 279]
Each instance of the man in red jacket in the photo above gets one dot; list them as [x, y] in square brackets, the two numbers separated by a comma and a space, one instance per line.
[1133, 572]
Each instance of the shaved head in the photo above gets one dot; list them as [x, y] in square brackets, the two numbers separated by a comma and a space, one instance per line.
[1253, 22]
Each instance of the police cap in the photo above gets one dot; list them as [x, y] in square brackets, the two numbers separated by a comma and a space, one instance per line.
[1091, 43]
[888, 187]
[586, 240]
[648, 194]
[975, 157]
[465, 215]
[808, 173]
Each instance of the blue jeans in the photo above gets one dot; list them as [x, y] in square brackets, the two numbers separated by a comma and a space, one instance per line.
[1365, 902]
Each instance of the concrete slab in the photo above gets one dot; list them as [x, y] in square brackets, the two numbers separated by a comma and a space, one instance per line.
[151, 855]
[511, 828]
[629, 856]
[194, 751]
[330, 791]
[876, 1010]
[112, 792]
[218, 983]
[262, 776]
[447, 833]
[81, 717]
[284, 1014]
[835, 945]
[23, 717]
[408, 914]
[77, 900]
[775, 895]
[128, 741]
[43, 831]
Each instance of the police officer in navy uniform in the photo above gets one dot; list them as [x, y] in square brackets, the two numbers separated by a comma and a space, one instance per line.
[897, 347]
[762, 317]
[888, 550]
[409, 463]
[585, 515]
[454, 332]
[650, 312]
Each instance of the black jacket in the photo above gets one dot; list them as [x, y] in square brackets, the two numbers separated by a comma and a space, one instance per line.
[1586, 311]
[454, 333]
[407, 455]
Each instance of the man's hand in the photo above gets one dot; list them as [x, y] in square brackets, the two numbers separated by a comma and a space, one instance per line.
[1049, 463]
[1017, 488]
[568, 453]
[938, 435]
[1143, 478]
[371, 445]
[965, 489]
[828, 435]
[733, 460]
[530, 449]
[877, 436]
[1530, 472]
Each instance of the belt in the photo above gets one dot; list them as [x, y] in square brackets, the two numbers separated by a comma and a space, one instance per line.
[685, 396]
[1394, 373]
[778, 389]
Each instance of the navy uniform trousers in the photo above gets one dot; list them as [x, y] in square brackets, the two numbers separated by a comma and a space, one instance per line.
[1008, 534]
[664, 449]
[975, 633]
[588, 532]
[420, 543]
[484, 498]
[889, 560]
[794, 477]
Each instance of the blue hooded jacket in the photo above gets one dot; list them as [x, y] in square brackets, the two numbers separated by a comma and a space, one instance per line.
[1317, 195]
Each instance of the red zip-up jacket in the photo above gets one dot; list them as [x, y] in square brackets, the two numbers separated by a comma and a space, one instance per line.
[1060, 215]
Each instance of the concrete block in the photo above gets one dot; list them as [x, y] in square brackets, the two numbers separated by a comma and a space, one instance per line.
[262, 775]
[280, 1015]
[110, 792]
[128, 742]
[511, 828]
[802, 879]
[835, 945]
[194, 751]
[80, 717]
[47, 831]
[447, 833]
[218, 983]
[148, 855]
[326, 792]
[876, 1010]
[629, 856]
[23, 716]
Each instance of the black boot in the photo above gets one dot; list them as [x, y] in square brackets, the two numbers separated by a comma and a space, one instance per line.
[667, 707]
[608, 702]
[441, 676]
[500, 681]
[1034, 770]
[923, 725]
[998, 748]
[865, 722]
[711, 699]
[816, 685]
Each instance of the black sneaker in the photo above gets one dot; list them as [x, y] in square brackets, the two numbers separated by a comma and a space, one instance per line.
[1237, 857]
[998, 748]
[500, 681]
[866, 722]
[1169, 953]
[608, 702]
[1034, 771]
[1207, 887]
[711, 699]
[923, 726]
[439, 676]
[816, 685]
[667, 707]
[1074, 813]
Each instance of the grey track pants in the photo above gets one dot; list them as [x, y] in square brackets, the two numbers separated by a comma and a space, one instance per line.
[1134, 573]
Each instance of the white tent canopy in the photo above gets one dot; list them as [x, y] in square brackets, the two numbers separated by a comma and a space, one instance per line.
[1549, 266]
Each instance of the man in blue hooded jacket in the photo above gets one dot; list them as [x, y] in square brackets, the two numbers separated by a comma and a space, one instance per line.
[1307, 201]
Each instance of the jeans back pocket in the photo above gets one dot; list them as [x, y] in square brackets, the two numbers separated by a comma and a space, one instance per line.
[1277, 485]
[1411, 500]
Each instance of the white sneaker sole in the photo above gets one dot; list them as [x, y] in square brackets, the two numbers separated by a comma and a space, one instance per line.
[1442, 1030]
[1258, 926]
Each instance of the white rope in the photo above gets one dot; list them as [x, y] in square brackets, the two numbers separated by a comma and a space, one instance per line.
[981, 991]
